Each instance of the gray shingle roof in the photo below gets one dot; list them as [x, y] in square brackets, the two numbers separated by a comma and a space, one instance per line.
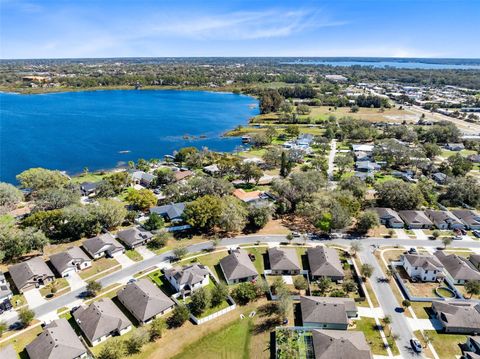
[144, 299]
[283, 259]
[100, 318]
[387, 213]
[457, 267]
[442, 217]
[426, 261]
[57, 341]
[63, 260]
[188, 275]
[458, 314]
[340, 344]
[470, 218]
[23, 272]
[134, 235]
[414, 217]
[326, 309]
[324, 261]
[237, 265]
[103, 242]
[172, 211]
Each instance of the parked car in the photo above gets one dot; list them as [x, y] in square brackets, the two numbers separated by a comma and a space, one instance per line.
[476, 233]
[416, 346]
[412, 251]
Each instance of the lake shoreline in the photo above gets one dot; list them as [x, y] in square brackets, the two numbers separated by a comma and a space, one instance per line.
[152, 125]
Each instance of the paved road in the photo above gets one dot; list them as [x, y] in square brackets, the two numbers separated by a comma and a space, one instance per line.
[386, 298]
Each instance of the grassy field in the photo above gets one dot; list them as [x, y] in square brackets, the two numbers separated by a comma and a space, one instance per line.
[60, 284]
[372, 334]
[368, 114]
[230, 342]
[89, 177]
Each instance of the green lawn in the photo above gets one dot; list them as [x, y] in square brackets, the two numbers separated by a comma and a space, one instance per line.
[230, 342]
[61, 284]
[133, 255]
[446, 345]
[159, 279]
[368, 327]
[89, 177]
[258, 253]
[98, 266]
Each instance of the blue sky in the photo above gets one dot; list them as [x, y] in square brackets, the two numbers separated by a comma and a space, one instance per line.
[118, 28]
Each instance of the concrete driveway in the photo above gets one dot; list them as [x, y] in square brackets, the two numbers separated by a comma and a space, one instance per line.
[420, 234]
[34, 298]
[124, 260]
[74, 281]
[145, 252]
[401, 234]
[425, 324]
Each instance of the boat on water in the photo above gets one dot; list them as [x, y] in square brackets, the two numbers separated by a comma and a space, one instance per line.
[124, 151]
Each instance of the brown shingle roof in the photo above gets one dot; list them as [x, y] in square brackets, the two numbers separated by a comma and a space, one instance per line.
[329, 310]
[237, 265]
[283, 259]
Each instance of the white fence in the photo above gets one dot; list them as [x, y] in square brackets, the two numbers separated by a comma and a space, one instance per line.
[212, 316]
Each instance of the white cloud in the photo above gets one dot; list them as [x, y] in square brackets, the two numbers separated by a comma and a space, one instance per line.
[241, 25]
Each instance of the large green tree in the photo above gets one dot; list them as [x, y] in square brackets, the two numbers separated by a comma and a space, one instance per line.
[10, 196]
[40, 178]
[204, 212]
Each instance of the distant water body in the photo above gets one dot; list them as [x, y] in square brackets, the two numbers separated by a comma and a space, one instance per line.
[103, 129]
[395, 64]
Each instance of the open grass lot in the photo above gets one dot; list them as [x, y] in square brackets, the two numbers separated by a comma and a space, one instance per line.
[464, 153]
[446, 345]
[99, 266]
[368, 114]
[89, 177]
[230, 342]
[372, 334]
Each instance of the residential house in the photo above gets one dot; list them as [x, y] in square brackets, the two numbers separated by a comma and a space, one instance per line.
[101, 320]
[444, 219]
[389, 218]
[238, 267]
[475, 260]
[189, 277]
[144, 300]
[459, 269]
[324, 262]
[284, 261]
[415, 219]
[30, 274]
[363, 147]
[327, 312]
[455, 146]
[171, 212]
[253, 197]
[367, 166]
[461, 317]
[470, 219]
[361, 156]
[103, 245]
[71, 261]
[212, 170]
[471, 349]
[439, 177]
[181, 175]
[424, 267]
[134, 237]
[474, 158]
[143, 178]
[8, 352]
[58, 340]
[340, 344]
[89, 188]
[5, 291]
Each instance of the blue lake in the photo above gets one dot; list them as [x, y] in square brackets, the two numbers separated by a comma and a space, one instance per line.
[395, 64]
[72, 130]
